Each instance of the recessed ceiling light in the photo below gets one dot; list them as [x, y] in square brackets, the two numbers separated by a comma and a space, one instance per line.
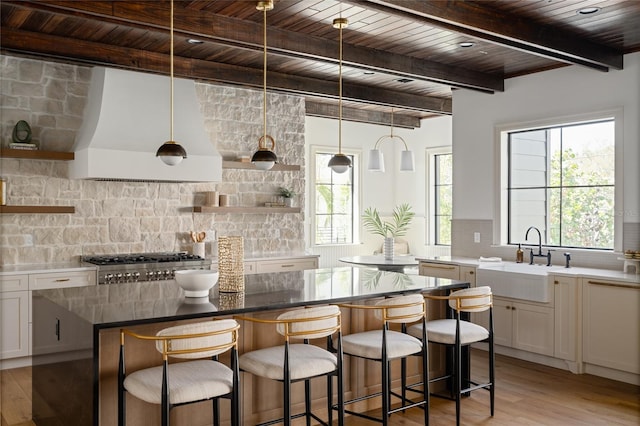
[194, 41]
[466, 44]
[404, 80]
[588, 10]
[368, 73]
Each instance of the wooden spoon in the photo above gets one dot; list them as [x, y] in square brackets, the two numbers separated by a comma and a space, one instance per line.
[194, 236]
[201, 236]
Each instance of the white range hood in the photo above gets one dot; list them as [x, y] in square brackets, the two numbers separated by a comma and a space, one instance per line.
[127, 118]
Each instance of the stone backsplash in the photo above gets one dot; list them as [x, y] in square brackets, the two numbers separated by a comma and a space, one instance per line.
[118, 217]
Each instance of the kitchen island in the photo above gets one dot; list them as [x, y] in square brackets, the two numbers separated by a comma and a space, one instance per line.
[76, 337]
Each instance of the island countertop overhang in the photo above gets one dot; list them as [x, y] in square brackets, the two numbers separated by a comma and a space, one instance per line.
[127, 304]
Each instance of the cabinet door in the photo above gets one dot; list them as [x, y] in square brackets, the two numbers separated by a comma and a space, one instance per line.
[566, 317]
[611, 326]
[440, 270]
[468, 273]
[533, 328]
[502, 321]
[14, 328]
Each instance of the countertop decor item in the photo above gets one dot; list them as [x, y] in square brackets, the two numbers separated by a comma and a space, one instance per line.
[402, 216]
[171, 152]
[196, 282]
[264, 158]
[231, 264]
[340, 163]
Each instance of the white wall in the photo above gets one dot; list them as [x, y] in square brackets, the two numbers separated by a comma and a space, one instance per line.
[572, 90]
[380, 190]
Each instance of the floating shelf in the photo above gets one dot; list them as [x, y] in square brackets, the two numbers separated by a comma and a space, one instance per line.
[250, 166]
[250, 210]
[37, 209]
[36, 154]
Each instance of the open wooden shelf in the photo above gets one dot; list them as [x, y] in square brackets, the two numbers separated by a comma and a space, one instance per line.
[228, 164]
[250, 210]
[36, 154]
[37, 209]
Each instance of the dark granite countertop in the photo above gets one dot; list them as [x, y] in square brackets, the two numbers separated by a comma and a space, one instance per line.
[117, 305]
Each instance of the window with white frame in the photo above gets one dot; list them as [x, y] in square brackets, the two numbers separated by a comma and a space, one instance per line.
[335, 206]
[440, 195]
[561, 178]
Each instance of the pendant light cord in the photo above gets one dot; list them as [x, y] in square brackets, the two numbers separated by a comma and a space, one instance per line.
[264, 74]
[340, 94]
[171, 67]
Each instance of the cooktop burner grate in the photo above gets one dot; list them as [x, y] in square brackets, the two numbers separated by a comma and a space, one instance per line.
[134, 258]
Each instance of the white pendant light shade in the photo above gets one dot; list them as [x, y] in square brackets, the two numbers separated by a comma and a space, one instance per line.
[407, 164]
[376, 160]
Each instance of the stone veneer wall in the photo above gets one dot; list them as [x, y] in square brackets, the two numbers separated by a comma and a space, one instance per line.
[120, 217]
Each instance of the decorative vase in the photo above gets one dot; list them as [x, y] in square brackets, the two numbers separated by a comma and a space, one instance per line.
[288, 202]
[387, 248]
[231, 264]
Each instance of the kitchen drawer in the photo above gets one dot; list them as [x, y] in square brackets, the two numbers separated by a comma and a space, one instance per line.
[62, 280]
[440, 270]
[14, 283]
[266, 266]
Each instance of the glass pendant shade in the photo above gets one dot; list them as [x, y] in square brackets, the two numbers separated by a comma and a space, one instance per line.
[406, 161]
[171, 153]
[340, 163]
[376, 160]
[264, 159]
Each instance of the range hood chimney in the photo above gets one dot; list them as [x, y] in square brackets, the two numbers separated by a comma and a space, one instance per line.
[127, 118]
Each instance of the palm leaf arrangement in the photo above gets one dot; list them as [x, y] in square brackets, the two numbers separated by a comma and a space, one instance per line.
[402, 216]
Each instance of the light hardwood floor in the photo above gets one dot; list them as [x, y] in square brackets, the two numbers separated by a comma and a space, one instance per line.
[526, 394]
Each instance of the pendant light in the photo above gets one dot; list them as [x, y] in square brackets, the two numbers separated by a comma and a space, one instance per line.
[264, 158]
[171, 152]
[376, 159]
[340, 163]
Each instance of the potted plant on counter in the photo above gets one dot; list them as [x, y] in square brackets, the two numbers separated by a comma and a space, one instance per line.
[287, 195]
[402, 217]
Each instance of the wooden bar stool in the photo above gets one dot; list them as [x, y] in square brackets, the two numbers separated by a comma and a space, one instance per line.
[203, 377]
[294, 362]
[456, 333]
[385, 345]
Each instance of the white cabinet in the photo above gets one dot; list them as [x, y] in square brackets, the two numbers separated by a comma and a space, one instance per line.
[525, 326]
[611, 327]
[439, 270]
[14, 313]
[567, 298]
[15, 306]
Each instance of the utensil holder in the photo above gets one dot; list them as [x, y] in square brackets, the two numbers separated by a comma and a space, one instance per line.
[198, 249]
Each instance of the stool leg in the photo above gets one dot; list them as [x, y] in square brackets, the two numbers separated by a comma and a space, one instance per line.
[216, 412]
[458, 380]
[307, 401]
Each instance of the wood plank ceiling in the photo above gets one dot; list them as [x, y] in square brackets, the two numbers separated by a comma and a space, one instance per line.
[401, 54]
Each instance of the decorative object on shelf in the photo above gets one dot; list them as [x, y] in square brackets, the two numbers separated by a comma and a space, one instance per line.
[223, 200]
[231, 264]
[22, 134]
[340, 163]
[402, 217]
[376, 159]
[3, 192]
[288, 195]
[171, 152]
[264, 158]
[211, 199]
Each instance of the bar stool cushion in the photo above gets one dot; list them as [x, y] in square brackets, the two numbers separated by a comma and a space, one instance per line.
[368, 344]
[444, 331]
[189, 381]
[304, 361]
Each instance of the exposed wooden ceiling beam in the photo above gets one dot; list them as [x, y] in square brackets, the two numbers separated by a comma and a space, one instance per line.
[241, 33]
[471, 18]
[323, 109]
[82, 51]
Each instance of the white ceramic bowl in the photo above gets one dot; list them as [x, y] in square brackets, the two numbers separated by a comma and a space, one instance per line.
[196, 282]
